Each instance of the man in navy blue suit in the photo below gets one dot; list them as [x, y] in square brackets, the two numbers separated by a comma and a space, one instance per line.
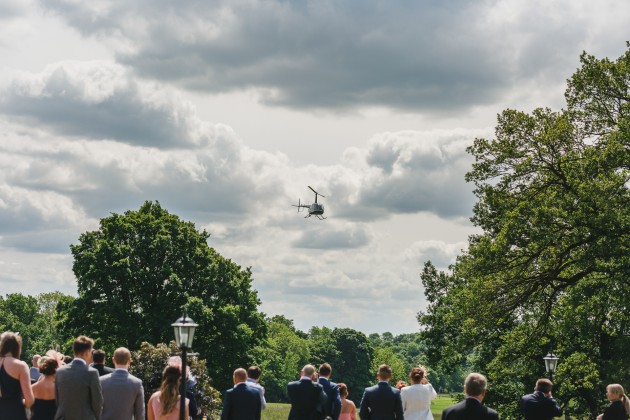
[540, 405]
[241, 402]
[307, 397]
[332, 408]
[471, 408]
[382, 401]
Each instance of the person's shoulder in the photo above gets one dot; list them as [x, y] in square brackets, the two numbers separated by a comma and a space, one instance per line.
[491, 413]
[105, 378]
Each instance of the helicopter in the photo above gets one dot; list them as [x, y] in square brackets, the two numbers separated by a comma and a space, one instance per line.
[314, 209]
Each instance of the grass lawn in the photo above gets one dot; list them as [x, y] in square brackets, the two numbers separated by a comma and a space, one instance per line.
[277, 411]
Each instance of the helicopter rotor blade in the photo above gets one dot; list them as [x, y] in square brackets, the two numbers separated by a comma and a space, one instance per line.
[316, 193]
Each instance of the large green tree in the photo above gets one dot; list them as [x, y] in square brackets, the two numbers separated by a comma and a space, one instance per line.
[138, 272]
[551, 265]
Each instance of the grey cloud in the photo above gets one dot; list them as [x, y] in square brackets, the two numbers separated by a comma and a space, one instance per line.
[425, 56]
[325, 237]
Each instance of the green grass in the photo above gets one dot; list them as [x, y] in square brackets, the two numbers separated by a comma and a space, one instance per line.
[278, 411]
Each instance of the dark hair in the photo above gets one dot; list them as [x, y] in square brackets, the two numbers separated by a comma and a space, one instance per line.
[10, 343]
[67, 359]
[475, 384]
[98, 356]
[343, 390]
[254, 372]
[401, 384]
[543, 385]
[385, 372]
[169, 389]
[48, 365]
[416, 375]
[82, 344]
[325, 370]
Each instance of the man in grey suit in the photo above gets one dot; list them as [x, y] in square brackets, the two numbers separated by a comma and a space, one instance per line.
[77, 388]
[123, 392]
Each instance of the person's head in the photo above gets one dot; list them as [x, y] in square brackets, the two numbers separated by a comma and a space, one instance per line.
[543, 385]
[384, 373]
[308, 370]
[240, 375]
[35, 360]
[68, 359]
[343, 390]
[98, 356]
[48, 365]
[416, 375]
[325, 370]
[475, 385]
[122, 357]
[254, 373]
[169, 388]
[82, 347]
[10, 344]
[616, 392]
[401, 384]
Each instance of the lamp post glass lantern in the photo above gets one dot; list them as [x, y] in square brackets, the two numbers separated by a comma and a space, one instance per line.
[184, 329]
[551, 362]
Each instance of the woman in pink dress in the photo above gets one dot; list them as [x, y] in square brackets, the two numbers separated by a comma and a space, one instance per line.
[348, 409]
[164, 404]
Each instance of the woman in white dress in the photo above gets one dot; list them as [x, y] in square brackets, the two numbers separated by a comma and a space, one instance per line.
[417, 397]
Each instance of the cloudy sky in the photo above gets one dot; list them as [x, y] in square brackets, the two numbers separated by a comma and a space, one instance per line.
[226, 111]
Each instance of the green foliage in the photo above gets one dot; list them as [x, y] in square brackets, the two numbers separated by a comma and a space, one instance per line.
[138, 272]
[385, 355]
[149, 362]
[552, 262]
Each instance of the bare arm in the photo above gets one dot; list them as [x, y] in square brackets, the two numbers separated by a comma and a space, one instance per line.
[25, 384]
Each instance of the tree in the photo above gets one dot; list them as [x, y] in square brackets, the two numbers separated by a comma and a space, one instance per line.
[551, 264]
[140, 270]
[385, 355]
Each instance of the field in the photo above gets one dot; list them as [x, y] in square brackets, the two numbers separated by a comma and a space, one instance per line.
[276, 411]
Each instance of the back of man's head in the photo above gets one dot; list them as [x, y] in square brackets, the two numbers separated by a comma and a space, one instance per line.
[98, 356]
[82, 344]
[240, 375]
[325, 370]
[543, 385]
[384, 372]
[254, 372]
[308, 370]
[35, 359]
[475, 385]
[122, 356]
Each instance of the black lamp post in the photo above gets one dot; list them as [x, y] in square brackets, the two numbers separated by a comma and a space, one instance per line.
[184, 332]
[551, 362]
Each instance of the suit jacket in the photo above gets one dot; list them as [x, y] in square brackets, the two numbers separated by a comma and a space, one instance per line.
[381, 402]
[241, 403]
[78, 392]
[469, 409]
[102, 369]
[332, 407]
[124, 396]
[307, 399]
[537, 406]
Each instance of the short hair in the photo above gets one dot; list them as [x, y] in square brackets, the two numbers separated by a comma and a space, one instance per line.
[82, 344]
[325, 369]
[254, 372]
[543, 385]
[343, 390]
[67, 359]
[10, 343]
[475, 384]
[98, 356]
[48, 365]
[122, 356]
[36, 358]
[308, 370]
[240, 374]
[385, 372]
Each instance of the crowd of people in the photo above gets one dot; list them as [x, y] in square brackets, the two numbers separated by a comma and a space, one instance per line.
[83, 388]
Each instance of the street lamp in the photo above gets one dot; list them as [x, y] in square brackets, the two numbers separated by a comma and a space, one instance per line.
[551, 362]
[184, 329]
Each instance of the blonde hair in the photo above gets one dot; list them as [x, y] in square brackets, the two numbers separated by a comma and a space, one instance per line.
[618, 390]
[168, 389]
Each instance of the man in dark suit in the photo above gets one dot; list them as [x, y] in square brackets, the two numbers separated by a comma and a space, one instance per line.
[98, 356]
[77, 387]
[540, 405]
[241, 402]
[306, 396]
[471, 408]
[332, 408]
[123, 393]
[381, 401]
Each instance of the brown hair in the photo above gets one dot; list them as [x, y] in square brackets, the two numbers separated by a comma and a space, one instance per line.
[47, 365]
[82, 344]
[543, 385]
[254, 372]
[385, 372]
[416, 375]
[325, 369]
[343, 390]
[10, 343]
[122, 356]
[475, 384]
[168, 389]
